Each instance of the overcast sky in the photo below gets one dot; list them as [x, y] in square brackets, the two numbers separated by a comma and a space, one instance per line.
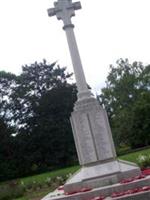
[106, 30]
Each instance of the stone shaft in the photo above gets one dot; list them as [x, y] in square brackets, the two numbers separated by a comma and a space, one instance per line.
[76, 61]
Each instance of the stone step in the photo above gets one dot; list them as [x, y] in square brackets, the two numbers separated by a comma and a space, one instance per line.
[137, 196]
[108, 191]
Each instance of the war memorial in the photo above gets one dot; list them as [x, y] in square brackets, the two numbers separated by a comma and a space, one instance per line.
[101, 173]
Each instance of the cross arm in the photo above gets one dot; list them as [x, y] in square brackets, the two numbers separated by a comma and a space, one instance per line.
[75, 6]
[52, 12]
[56, 9]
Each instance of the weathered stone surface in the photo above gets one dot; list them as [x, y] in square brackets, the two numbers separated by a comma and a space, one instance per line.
[95, 149]
[92, 132]
[99, 175]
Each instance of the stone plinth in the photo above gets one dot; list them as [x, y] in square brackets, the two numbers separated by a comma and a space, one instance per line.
[95, 148]
[100, 175]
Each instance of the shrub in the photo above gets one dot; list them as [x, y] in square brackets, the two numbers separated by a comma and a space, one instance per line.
[11, 190]
[143, 161]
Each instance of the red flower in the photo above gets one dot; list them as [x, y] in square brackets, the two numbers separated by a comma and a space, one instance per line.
[146, 172]
[132, 191]
[132, 179]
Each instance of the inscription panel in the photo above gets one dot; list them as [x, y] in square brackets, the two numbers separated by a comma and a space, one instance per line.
[86, 147]
[101, 135]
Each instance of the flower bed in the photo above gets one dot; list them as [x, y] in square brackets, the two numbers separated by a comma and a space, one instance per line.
[132, 191]
[128, 180]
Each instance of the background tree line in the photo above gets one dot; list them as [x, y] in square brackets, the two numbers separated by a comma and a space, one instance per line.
[35, 108]
[126, 98]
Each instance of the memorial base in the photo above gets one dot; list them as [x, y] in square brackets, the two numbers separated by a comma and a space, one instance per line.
[100, 172]
[95, 148]
[98, 175]
[107, 191]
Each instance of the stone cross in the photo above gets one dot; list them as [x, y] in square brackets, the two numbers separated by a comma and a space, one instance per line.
[90, 125]
[64, 10]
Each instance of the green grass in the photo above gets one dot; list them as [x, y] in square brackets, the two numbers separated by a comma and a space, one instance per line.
[132, 157]
[42, 177]
[35, 195]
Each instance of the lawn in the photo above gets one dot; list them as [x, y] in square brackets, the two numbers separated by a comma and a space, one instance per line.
[35, 195]
[41, 178]
[132, 157]
[38, 186]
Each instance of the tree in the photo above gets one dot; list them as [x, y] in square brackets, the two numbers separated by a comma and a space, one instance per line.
[7, 169]
[51, 135]
[40, 103]
[7, 85]
[140, 131]
[35, 80]
[125, 86]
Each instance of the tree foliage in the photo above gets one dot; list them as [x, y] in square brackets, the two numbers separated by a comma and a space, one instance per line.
[39, 103]
[126, 99]
[7, 85]
[35, 80]
[6, 151]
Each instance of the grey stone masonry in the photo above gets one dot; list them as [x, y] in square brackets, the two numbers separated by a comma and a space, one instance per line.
[92, 132]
